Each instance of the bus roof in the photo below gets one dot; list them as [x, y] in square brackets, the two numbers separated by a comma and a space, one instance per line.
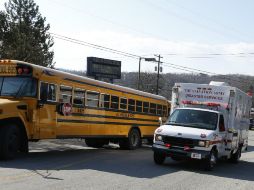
[85, 80]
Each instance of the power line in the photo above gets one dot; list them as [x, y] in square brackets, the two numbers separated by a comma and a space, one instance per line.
[99, 47]
[134, 56]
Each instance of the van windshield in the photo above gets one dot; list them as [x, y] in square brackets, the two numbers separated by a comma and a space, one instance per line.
[194, 118]
[18, 86]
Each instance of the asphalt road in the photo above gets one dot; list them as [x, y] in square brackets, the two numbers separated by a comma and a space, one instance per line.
[69, 164]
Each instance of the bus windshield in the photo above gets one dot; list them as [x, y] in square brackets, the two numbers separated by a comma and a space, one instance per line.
[18, 86]
[194, 118]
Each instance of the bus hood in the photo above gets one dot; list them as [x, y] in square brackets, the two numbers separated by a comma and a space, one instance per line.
[185, 132]
[8, 101]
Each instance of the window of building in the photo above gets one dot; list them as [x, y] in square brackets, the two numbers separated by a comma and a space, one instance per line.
[92, 99]
[131, 105]
[79, 97]
[139, 105]
[105, 101]
[65, 94]
[164, 111]
[114, 102]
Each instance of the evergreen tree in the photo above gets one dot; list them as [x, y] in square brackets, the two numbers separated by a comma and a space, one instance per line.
[26, 35]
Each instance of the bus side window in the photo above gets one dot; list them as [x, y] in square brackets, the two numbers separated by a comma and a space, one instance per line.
[123, 104]
[114, 102]
[105, 100]
[159, 109]
[92, 99]
[65, 94]
[51, 92]
[43, 91]
[131, 105]
[152, 108]
[146, 107]
[139, 106]
[79, 97]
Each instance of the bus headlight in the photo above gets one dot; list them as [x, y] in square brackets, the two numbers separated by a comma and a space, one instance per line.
[158, 137]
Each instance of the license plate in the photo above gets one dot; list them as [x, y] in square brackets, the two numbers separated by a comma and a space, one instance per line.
[196, 155]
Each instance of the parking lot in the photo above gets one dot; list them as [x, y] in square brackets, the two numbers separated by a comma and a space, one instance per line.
[69, 164]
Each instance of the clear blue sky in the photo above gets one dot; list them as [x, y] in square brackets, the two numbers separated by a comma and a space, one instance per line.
[210, 35]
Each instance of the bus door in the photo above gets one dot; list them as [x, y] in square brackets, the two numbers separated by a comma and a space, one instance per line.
[47, 110]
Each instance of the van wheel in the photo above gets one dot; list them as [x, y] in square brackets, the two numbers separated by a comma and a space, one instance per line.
[132, 142]
[211, 161]
[158, 158]
[236, 156]
[96, 143]
[9, 141]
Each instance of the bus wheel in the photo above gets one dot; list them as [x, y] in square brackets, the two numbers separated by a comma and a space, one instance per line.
[158, 158]
[9, 142]
[132, 142]
[96, 143]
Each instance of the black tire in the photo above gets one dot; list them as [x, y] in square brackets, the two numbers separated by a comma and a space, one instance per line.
[210, 162]
[132, 142]
[158, 158]
[235, 157]
[96, 143]
[9, 142]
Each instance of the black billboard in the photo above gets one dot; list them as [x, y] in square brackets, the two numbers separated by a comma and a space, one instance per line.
[103, 68]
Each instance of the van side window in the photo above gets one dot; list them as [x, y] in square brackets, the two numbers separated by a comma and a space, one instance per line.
[65, 94]
[221, 124]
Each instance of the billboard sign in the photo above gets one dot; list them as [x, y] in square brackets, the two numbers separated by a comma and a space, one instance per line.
[103, 68]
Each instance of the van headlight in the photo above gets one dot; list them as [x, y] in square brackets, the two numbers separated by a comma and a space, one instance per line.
[158, 137]
[203, 143]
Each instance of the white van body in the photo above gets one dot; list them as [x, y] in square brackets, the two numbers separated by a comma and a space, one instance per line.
[207, 122]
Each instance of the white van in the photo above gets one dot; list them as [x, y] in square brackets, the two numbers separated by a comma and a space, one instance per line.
[207, 122]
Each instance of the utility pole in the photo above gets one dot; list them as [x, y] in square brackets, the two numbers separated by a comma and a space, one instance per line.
[139, 66]
[158, 73]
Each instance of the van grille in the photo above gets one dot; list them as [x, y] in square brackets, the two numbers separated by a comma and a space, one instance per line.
[178, 141]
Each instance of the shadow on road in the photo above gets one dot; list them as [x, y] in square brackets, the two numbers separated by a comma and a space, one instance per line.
[137, 163]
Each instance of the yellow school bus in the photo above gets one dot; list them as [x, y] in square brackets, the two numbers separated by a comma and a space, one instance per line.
[42, 103]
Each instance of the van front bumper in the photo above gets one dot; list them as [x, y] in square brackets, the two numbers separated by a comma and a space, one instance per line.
[179, 152]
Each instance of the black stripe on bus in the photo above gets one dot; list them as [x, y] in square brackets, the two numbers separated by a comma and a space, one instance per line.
[102, 122]
[81, 82]
[112, 117]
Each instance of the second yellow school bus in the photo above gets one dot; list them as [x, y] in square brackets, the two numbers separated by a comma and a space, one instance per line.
[42, 103]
